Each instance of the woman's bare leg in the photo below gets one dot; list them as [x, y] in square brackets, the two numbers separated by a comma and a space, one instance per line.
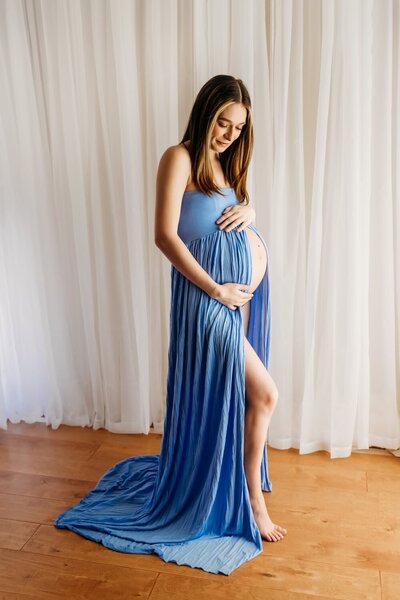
[245, 316]
[261, 399]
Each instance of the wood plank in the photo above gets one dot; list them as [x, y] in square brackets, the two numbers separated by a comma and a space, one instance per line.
[14, 534]
[279, 581]
[55, 577]
[13, 596]
[358, 547]
[390, 585]
[311, 577]
[292, 477]
[327, 508]
[53, 541]
[356, 462]
[381, 481]
[102, 460]
[43, 486]
[388, 510]
[36, 447]
[31, 509]
[25, 454]
[134, 444]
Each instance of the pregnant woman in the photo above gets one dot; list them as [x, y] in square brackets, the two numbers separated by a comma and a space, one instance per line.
[200, 501]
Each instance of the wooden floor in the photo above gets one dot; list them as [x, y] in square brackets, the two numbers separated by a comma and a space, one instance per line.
[342, 516]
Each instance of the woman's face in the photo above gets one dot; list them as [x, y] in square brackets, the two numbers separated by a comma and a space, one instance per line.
[228, 127]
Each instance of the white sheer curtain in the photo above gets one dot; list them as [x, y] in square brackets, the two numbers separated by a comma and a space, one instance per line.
[89, 99]
[92, 94]
[332, 218]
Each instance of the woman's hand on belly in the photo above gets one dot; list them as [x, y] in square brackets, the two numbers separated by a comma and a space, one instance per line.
[236, 216]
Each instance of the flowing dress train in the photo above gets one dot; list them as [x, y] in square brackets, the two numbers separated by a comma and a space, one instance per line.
[190, 503]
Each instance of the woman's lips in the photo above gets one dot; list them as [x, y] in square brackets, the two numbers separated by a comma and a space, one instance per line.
[224, 143]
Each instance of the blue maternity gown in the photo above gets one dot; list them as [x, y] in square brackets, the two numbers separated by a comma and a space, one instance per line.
[190, 504]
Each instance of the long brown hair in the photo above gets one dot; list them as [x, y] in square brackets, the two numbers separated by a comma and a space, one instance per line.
[215, 96]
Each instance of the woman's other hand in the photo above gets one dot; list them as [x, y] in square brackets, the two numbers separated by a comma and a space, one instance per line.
[232, 294]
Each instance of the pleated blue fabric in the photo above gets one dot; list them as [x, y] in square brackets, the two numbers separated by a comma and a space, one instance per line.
[190, 504]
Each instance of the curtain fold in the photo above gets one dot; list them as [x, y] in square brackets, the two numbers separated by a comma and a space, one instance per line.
[93, 92]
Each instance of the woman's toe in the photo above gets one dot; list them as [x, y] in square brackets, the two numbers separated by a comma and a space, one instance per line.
[281, 529]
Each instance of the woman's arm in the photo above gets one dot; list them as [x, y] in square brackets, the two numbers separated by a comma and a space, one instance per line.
[172, 176]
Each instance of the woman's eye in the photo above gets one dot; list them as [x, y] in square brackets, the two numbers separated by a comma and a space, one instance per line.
[222, 125]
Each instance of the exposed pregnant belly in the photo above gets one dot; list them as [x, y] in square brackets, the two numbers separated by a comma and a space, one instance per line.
[258, 258]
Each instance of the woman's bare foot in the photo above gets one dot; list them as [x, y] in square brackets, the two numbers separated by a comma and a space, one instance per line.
[268, 529]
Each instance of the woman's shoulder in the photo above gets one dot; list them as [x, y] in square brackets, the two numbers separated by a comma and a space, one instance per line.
[175, 160]
[177, 149]
[177, 153]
